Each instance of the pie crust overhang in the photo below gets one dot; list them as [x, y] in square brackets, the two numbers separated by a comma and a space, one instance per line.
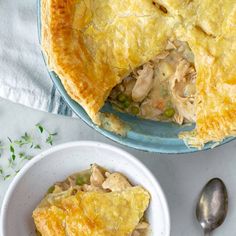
[93, 44]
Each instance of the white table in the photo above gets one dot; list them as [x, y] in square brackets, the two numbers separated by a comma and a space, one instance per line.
[181, 176]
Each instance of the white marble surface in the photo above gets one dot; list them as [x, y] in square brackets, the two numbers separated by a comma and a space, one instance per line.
[181, 176]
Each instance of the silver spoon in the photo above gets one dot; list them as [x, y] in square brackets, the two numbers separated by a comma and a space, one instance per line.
[212, 205]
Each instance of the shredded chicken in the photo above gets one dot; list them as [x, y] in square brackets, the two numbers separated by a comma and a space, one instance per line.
[147, 110]
[179, 119]
[129, 84]
[136, 233]
[97, 177]
[116, 182]
[143, 83]
[142, 225]
[163, 89]
[184, 104]
[141, 229]
[92, 188]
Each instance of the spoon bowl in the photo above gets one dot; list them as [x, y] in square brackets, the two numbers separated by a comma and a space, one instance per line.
[212, 206]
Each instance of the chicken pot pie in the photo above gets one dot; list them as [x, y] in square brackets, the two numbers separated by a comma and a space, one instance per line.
[93, 202]
[169, 60]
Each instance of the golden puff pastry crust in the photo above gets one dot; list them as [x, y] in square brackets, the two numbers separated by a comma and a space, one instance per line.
[91, 213]
[211, 35]
[93, 44]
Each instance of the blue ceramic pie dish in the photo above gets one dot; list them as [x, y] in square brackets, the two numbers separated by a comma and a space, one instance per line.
[151, 136]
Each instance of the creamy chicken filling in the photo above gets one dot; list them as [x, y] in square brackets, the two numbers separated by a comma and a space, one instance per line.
[163, 89]
[98, 179]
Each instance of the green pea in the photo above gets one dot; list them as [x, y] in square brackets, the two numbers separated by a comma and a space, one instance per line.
[126, 104]
[134, 110]
[122, 97]
[80, 180]
[83, 179]
[51, 189]
[169, 112]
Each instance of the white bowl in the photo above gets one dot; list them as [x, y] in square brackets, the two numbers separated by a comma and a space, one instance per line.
[53, 165]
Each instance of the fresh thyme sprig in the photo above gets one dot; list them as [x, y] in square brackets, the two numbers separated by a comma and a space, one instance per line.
[23, 149]
[3, 176]
[25, 139]
[50, 136]
[12, 153]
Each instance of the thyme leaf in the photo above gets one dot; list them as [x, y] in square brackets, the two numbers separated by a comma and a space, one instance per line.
[21, 150]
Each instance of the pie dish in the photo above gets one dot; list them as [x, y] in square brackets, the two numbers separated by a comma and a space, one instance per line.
[94, 45]
[91, 202]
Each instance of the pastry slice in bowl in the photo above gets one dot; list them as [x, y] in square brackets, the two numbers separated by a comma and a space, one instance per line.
[93, 202]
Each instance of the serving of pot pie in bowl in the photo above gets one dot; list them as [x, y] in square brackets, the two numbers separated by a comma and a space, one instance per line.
[85, 188]
[94, 201]
[144, 71]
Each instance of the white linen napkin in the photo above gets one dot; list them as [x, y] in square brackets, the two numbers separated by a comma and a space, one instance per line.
[23, 75]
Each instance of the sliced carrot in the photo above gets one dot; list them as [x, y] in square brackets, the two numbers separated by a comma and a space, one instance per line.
[160, 104]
